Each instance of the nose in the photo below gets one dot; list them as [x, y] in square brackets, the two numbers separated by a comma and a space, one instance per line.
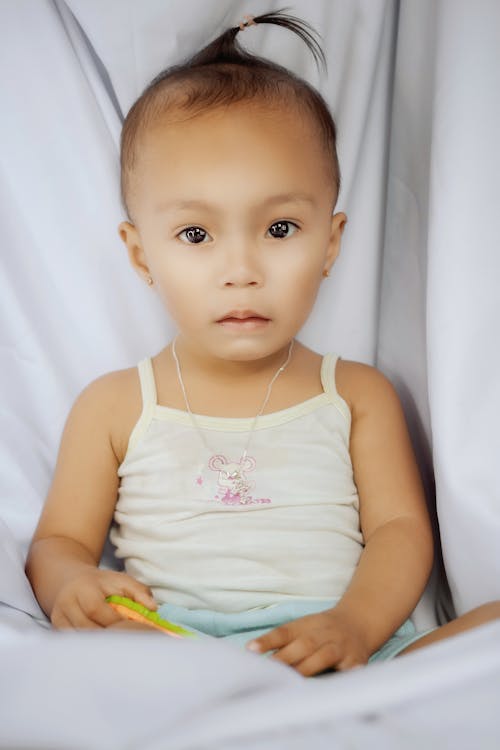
[240, 268]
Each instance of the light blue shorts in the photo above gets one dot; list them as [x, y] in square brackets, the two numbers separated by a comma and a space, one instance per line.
[241, 627]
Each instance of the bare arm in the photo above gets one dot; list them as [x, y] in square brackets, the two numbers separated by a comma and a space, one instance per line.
[69, 539]
[397, 559]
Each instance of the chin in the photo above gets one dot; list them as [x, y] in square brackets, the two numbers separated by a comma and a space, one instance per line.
[247, 349]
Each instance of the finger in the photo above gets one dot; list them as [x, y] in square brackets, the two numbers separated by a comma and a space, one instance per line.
[350, 663]
[275, 639]
[94, 608]
[92, 611]
[74, 618]
[124, 585]
[60, 622]
[70, 614]
[326, 657]
[81, 621]
[109, 616]
[131, 625]
[296, 651]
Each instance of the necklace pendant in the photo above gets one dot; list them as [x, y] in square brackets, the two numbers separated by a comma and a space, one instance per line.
[233, 484]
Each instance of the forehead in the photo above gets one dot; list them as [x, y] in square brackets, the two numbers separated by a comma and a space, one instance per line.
[243, 126]
[230, 146]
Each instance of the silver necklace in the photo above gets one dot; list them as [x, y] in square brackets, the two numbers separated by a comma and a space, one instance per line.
[254, 422]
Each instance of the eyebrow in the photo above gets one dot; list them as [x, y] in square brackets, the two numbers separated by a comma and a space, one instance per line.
[271, 200]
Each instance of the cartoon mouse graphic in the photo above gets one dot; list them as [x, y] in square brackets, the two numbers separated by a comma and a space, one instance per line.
[233, 485]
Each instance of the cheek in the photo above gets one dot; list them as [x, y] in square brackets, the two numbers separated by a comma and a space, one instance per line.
[301, 290]
[306, 300]
[175, 271]
[302, 275]
[178, 298]
[181, 290]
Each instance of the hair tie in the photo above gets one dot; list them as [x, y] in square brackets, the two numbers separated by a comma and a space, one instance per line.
[247, 22]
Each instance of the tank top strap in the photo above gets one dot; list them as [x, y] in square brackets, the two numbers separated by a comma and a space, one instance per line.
[148, 385]
[149, 401]
[328, 382]
[328, 374]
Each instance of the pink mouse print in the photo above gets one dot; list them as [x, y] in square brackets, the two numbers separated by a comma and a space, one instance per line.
[234, 486]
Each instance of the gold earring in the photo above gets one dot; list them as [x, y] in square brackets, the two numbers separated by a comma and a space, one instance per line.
[326, 273]
[150, 280]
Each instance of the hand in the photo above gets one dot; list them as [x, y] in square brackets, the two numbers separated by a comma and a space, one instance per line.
[81, 602]
[315, 643]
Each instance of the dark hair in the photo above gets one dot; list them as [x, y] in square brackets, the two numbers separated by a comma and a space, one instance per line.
[223, 73]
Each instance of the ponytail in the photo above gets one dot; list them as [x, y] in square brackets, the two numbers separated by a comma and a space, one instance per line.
[227, 49]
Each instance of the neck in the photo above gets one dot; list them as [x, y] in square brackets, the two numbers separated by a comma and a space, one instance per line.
[229, 371]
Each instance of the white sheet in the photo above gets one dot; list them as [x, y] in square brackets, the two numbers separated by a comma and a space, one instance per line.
[440, 308]
[102, 690]
[414, 87]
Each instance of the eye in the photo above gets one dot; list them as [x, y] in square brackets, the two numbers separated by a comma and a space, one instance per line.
[280, 229]
[194, 235]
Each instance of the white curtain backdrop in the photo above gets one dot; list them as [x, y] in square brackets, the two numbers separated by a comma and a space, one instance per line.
[415, 89]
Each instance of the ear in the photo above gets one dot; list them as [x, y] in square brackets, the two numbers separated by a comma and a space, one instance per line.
[339, 220]
[130, 236]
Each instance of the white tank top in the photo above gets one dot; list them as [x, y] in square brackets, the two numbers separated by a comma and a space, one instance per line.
[207, 530]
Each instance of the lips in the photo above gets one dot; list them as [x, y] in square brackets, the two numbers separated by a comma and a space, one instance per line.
[242, 315]
[244, 322]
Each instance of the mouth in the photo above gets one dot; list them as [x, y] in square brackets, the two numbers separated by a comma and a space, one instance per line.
[243, 320]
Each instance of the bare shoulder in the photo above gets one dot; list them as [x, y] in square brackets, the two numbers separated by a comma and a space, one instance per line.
[363, 387]
[115, 398]
[384, 466]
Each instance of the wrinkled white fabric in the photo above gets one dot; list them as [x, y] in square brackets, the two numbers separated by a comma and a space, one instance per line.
[95, 691]
[415, 91]
[439, 307]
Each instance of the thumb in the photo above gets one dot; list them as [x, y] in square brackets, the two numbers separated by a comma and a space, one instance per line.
[127, 586]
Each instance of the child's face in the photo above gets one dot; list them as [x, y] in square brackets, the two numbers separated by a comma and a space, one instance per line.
[256, 252]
